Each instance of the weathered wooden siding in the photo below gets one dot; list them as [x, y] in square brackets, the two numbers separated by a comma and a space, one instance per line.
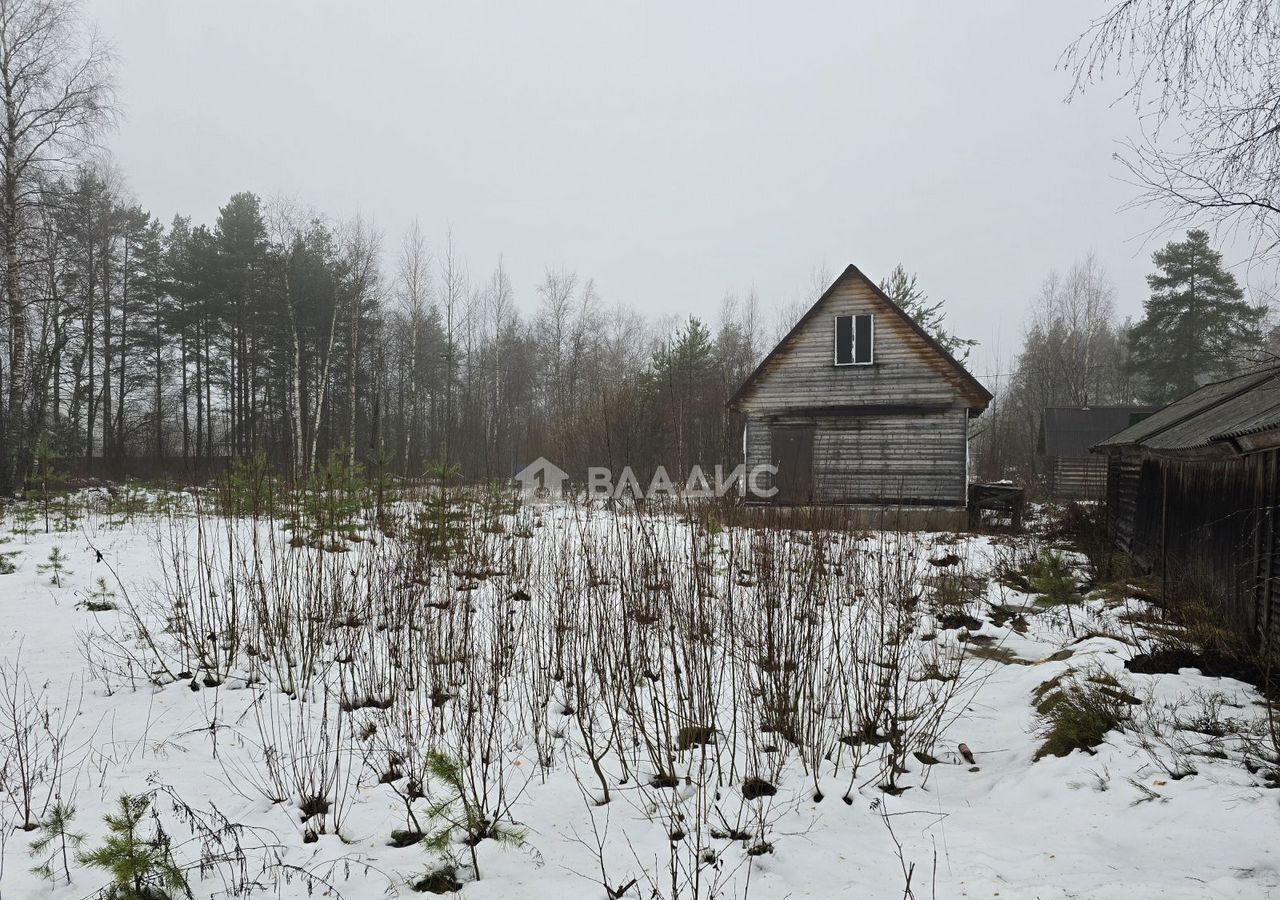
[1267, 553]
[915, 459]
[1212, 520]
[1123, 471]
[757, 443]
[891, 433]
[1079, 479]
[906, 369]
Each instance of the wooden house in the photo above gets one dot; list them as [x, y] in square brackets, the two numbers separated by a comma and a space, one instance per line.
[858, 405]
[1067, 435]
[1192, 493]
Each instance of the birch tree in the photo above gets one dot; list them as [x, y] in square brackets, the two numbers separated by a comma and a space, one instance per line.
[361, 248]
[413, 287]
[453, 312]
[56, 90]
[1203, 80]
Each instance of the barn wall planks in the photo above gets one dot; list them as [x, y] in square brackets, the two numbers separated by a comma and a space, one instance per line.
[1079, 479]
[1124, 468]
[878, 459]
[1210, 520]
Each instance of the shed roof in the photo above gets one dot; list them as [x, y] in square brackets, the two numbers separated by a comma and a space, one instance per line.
[1070, 431]
[1267, 417]
[1244, 404]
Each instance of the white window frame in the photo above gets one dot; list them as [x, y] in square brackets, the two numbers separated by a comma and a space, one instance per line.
[853, 346]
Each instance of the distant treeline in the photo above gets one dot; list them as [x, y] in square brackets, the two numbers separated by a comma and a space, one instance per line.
[278, 332]
[274, 331]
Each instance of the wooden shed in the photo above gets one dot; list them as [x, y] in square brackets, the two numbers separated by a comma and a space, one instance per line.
[858, 405]
[1192, 492]
[1067, 435]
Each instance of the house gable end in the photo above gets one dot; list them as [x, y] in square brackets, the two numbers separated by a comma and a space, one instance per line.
[907, 364]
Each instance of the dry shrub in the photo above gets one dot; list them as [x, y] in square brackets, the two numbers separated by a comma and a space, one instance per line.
[1084, 527]
[1194, 605]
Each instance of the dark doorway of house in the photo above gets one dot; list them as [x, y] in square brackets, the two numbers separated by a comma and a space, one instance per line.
[793, 455]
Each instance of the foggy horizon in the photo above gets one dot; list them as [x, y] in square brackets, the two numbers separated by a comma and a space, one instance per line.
[673, 157]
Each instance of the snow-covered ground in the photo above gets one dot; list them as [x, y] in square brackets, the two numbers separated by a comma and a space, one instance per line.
[723, 642]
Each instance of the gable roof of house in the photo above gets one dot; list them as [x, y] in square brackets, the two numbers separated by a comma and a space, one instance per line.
[975, 392]
[1069, 431]
[1215, 413]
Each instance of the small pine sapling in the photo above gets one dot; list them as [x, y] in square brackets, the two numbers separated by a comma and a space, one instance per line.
[461, 818]
[249, 490]
[7, 566]
[141, 868]
[383, 494]
[56, 567]
[24, 518]
[1056, 583]
[66, 513]
[101, 598]
[43, 474]
[56, 842]
[1054, 580]
[440, 531]
[334, 500]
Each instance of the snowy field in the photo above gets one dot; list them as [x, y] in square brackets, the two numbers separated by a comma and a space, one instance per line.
[568, 702]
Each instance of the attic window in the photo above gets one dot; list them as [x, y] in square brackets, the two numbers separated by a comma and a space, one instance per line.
[855, 340]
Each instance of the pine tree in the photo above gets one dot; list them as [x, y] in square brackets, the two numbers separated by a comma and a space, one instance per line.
[240, 237]
[1197, 326]
[457, 815]
[681, 383]
[147, 300]
[902, 288]
[141, 868]
[56, 838]
[57, 565]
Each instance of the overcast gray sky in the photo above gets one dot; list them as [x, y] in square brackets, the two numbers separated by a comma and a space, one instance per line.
[672, 151]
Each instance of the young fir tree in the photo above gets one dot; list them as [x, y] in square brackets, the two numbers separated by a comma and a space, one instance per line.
[1197, 326]
[901, 287]
[43, 473]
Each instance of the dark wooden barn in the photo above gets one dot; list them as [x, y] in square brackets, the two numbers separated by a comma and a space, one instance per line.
[858, 405]
[1192, 492]
[1071, 471]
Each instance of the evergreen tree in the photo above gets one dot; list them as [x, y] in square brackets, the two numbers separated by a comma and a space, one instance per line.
[152, 296]
[902, 288]
[141, 284]
[683, 384]
[240, 245]
[56, 843]
[185, 251]
[1197, 326]
[141, 868]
